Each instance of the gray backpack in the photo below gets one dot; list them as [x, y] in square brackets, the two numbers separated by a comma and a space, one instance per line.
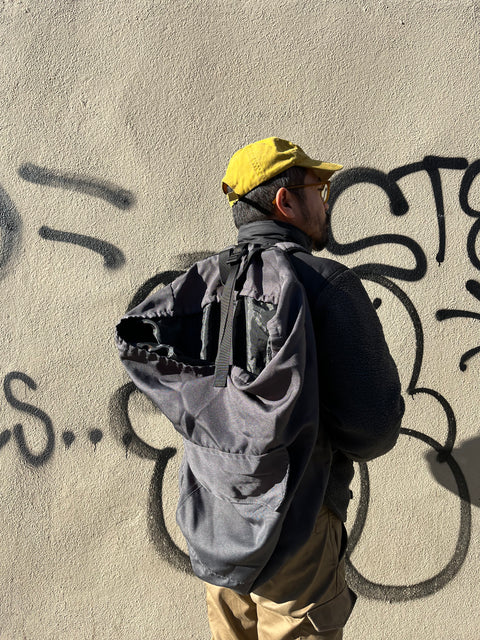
[233, 367]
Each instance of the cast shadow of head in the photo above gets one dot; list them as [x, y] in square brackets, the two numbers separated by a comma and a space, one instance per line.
[452, 469]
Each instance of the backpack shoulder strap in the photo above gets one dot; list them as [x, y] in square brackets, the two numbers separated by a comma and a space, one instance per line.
[230, 261]
[223, 265]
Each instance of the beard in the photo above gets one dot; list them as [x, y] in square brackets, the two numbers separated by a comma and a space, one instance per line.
[321, 241]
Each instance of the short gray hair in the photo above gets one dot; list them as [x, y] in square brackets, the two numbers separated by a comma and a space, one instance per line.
[257, 203]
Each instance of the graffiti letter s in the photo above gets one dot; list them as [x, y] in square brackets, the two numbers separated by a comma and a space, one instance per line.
[34, 459]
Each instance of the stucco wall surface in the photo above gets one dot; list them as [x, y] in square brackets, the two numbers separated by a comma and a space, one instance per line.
[117, 120]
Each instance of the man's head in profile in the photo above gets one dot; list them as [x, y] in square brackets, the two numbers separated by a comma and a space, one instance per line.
[275, 179]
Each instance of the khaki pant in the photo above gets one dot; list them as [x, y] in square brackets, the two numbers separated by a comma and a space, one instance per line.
[307, 599]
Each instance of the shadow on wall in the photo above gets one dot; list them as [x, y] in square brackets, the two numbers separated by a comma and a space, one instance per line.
[466, 456]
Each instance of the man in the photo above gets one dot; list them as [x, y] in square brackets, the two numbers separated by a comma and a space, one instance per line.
[279, 194]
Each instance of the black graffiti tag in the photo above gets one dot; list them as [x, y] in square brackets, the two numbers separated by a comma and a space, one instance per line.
[398, 593]
[10, 226]
[378, 273]
[472, 286]
[34, 459]
[432, 165]
[120, 198]
[382, 274]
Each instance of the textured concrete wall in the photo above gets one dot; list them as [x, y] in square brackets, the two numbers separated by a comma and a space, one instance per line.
[116, 123]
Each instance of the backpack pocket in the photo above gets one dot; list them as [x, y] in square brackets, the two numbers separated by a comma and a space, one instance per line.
[230, 512]
[240, 477]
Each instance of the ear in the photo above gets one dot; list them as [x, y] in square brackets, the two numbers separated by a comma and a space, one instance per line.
[285, 205]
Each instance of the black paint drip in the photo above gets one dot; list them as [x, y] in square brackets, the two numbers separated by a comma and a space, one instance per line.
[68, 438]
[95, 436]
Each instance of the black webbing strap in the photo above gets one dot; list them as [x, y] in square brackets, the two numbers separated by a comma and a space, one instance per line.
[222, 362]
[223, 266]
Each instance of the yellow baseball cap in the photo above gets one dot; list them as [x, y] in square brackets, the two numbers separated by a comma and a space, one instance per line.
[262, 160]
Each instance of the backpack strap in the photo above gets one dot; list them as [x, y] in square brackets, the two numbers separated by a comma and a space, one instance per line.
[223, 265]
[222, 362]
[230, 261]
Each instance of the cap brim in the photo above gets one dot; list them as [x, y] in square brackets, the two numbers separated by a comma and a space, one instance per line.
[324, 170]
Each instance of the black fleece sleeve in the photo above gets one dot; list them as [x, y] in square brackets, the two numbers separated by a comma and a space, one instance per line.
[360, 400]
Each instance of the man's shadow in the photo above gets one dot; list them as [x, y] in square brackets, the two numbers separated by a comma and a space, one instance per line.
[467, 457]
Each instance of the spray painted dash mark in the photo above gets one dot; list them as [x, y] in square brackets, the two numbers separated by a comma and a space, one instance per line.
[120, 198]
[113, 258]
[473, 287]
